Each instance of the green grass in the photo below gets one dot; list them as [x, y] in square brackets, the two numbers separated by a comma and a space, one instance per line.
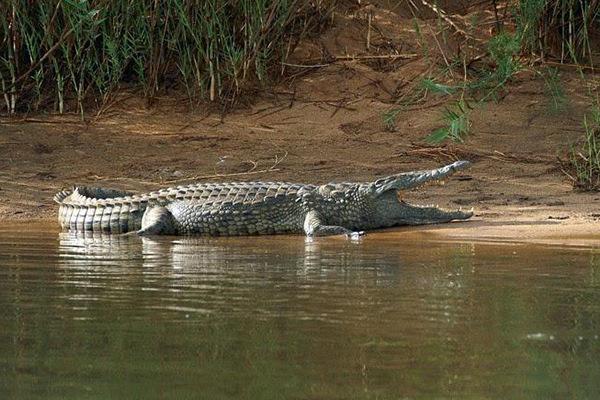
[585, 158]
[557, 29]
[555, 92]
[389, 119]
[64, 55]
[432, 86]
[456, 124]
[503, 52]
[486, 84]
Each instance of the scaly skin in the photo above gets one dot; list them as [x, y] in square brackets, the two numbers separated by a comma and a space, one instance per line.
[255, 208]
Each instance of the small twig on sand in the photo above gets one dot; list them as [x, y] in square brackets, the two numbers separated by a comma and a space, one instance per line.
[370, 18]
[442, 14]
[564, 171]
[352, 58]
[426, 106]
[251, 171]
[375, 57]
[496, 17]
[305, 65]
[456, 154]
[562, 64]
[343, 103]
[41, 121]
[432, 151]
[106, 178]
[441, 51]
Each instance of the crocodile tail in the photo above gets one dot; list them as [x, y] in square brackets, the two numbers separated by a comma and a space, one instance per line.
[99, 210]
[62, 195]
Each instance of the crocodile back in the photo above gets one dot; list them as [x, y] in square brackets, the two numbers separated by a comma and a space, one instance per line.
[237, 193]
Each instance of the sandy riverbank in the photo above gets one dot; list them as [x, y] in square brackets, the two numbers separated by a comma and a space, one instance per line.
[321, 124]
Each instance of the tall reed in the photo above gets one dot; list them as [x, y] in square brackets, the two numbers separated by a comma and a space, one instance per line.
[63, 54]
[564, 28]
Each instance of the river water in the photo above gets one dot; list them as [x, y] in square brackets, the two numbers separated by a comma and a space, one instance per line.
[389, 317]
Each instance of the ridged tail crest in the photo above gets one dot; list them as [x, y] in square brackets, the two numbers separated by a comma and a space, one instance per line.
[62, 195]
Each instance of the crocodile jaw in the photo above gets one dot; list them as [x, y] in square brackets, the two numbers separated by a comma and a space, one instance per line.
[409, 214]
[412, 214]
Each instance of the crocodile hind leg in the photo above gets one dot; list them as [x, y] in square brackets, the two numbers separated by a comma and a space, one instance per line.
[314, 227]
[158, 220]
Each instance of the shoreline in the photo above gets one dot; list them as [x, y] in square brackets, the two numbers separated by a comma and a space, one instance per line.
[326, 124]
[574, 232]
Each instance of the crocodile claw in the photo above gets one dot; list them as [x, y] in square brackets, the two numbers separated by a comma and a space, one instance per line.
[355, 235]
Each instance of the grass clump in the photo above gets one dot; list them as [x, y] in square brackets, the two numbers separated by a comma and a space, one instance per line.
[486, 84]
[456, 124]
[57, 54]
[389, 118]
[555, 92]
[429, 84]
[561, 30]
[558, 28]
[503, 51]
[585, 158]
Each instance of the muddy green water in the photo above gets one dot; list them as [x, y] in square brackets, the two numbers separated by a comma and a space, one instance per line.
[282, 318]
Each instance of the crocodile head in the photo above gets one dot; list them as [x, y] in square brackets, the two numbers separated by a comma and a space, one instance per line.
[394, 211]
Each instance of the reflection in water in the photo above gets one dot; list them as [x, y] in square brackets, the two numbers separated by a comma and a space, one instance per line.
[282, 317]
[282, 269]
[271, 272]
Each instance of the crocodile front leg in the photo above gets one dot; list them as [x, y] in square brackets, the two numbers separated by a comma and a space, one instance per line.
[314, 227]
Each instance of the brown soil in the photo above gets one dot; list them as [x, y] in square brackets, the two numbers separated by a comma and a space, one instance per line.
[324, 123]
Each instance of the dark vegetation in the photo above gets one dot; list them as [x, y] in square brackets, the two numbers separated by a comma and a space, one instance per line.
[75, 55]
[66, 55]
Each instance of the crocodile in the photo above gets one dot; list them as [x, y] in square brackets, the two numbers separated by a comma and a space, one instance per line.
[256, 208]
